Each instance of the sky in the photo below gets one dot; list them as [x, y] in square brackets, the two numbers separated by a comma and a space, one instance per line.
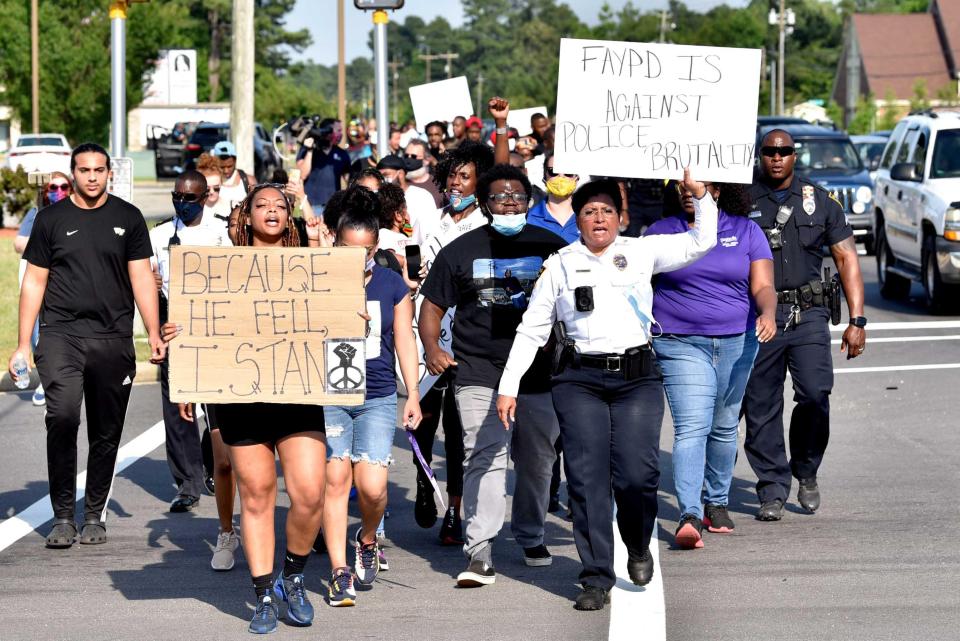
[323, 24]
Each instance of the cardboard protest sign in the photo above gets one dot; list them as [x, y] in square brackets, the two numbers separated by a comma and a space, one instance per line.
[443, 100]
[277, 325]
[520, 119]
[647, 110]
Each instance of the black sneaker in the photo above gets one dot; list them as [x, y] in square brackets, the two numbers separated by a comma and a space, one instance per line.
[688, 533]
[210, 485]
[537, 556]
[425, 508]
[184, 504]
[717, 520]
[478, 573]
[809, 494]
[451, 530]
[592, 598]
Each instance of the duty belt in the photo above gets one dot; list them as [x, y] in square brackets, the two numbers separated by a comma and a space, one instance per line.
[632, 364]
[794, 297]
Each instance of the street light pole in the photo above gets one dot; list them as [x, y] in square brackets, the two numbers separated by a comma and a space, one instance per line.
[380, 20]
[780, 60]
[118, 75]
[341, 66]
[35, 65]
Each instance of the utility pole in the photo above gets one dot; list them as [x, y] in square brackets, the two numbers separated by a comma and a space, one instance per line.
[380, 20]
[449, 56]
[341, 68]
[395, 66]
[35, 65]
[780, 61]
[773, 87]
[480, 80]
[242, 83]
[118, 76]
[663, 25]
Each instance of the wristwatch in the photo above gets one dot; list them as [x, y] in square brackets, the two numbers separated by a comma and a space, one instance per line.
[858, 321]
[501, 131]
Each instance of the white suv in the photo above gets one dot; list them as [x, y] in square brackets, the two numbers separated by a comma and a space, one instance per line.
[917, 210]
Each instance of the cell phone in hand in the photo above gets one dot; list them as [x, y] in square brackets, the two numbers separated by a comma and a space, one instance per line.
[413, 261]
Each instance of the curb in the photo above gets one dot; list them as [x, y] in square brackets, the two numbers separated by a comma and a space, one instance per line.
[146, 373]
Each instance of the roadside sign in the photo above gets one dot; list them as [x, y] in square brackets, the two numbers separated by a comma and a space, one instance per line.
[121, 185]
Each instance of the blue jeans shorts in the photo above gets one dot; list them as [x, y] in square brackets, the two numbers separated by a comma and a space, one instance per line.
[364, 432]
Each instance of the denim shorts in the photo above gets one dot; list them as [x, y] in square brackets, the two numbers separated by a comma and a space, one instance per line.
[364, 432]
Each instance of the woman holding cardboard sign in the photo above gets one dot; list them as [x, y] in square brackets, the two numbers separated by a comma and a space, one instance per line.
[295, 432]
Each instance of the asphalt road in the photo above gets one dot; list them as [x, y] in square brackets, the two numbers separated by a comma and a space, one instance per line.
[877, 562]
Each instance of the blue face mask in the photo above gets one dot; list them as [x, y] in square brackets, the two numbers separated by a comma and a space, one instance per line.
[187, 212]
[509, 225]
[459, 203]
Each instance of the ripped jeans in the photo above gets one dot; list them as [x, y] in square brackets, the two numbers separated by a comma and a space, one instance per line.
[364, 432]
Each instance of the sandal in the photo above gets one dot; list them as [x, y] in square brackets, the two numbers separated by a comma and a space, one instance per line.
[93, 533]
[63, 534]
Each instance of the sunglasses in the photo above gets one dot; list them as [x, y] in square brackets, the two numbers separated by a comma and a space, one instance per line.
[216, 189]
[551, 172]
[64, 187]
[516, 196]
[770, 151]
[187, 197]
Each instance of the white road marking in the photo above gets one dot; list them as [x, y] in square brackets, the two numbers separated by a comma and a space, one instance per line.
[18, 526]
[871, 327]
[894, 368]
[905, 339]
[636, 613]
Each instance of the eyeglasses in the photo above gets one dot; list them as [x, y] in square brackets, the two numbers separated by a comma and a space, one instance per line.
[516, 196]
[187, 197]
[551, 172]
[604, 212]
[770, 151]
[64, 187]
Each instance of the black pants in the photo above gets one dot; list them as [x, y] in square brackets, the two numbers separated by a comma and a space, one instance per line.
[805, 350]
[184, 454]
[431, 404]
[100, 372]
[611, 439]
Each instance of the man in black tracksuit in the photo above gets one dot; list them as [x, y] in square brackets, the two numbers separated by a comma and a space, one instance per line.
[88, 261]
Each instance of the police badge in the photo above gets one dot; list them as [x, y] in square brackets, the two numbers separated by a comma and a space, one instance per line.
[809, 204]
[620, 262]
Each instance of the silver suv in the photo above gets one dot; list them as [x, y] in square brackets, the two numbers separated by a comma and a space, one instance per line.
[917, 210]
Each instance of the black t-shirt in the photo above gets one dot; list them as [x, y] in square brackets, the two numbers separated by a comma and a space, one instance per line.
[88, 291]
[489, 278]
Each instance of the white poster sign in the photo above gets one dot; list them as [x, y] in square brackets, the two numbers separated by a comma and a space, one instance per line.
[647, 110]
[174, 79]
[443, 100]
[121, 178]
[520, 119]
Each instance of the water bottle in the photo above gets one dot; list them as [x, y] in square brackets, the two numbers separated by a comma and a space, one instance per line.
[22, 370]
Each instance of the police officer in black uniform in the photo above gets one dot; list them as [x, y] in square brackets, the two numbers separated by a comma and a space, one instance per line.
[799, 218]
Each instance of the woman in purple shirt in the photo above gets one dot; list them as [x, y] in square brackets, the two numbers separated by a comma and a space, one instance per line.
[708, 314]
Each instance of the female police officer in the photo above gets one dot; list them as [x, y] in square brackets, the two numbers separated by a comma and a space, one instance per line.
[609, 400]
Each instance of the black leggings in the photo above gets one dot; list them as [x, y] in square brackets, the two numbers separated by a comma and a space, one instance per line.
[431, 404]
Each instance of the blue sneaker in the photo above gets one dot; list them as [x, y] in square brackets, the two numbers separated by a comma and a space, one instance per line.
[265, 619]
[341, 592]
[290, 590]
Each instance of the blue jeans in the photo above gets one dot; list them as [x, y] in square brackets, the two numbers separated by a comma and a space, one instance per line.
[704, 378]
[362, 433]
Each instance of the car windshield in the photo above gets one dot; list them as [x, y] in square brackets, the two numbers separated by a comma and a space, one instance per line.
[870, 153]
[946, 155]
[813, 154]
[208, 136]
[40, 141]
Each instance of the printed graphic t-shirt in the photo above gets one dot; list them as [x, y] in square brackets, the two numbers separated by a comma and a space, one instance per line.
[489, 278]
[384, 291]
[87, 250]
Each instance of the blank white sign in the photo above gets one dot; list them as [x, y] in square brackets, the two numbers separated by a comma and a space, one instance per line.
[443, 100]
[647, 110]
[520, 119]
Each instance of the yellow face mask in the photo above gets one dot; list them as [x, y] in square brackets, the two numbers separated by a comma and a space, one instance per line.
[561, 186]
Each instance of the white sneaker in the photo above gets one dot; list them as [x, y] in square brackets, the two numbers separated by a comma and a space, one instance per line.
[367, 560]
[227, 544]
[39, 398]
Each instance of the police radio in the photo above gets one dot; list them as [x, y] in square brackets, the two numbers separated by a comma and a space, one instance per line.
[775, 234]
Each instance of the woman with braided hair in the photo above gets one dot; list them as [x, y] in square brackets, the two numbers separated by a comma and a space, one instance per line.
[256, 433]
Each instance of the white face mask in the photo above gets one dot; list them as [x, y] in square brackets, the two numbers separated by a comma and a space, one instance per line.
[370, 263]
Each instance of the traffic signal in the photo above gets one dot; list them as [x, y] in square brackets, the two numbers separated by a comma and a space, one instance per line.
[378, 5]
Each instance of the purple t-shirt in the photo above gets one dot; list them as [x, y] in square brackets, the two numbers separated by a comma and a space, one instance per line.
[710, 297]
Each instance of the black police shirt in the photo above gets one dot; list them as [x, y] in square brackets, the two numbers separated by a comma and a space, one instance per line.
[817, 220]
[489, 278]
[88, 290]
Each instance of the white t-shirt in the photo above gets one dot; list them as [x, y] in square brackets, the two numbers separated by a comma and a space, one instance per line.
[432, 238]
[203, 235]
[421, 208]
[393, 241]
[232, 195]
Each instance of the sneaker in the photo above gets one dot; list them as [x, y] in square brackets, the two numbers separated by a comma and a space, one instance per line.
[367, 560]
[688, 533]
[39, 398]
[717, 520]
[210, 485]
[384, 565]
[451, 530]
[227, 545]
[425, 508]
[265, 618]
[341, 592]
[537, 556]
[478, 573]
[289, 589]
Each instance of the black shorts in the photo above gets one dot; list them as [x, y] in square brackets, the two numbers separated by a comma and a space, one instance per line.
[256, 423]
[210, 412]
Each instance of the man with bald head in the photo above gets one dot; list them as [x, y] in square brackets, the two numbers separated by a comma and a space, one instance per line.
[798, 218]
[186, 228]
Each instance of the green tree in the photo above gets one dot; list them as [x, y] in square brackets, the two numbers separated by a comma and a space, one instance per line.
[888, 120]
[919, 101]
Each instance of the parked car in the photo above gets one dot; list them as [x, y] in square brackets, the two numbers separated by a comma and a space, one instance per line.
[168, 146]
[828, 158]
[40, 152]
[870, 149]
[917, 210]
[206, 135]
